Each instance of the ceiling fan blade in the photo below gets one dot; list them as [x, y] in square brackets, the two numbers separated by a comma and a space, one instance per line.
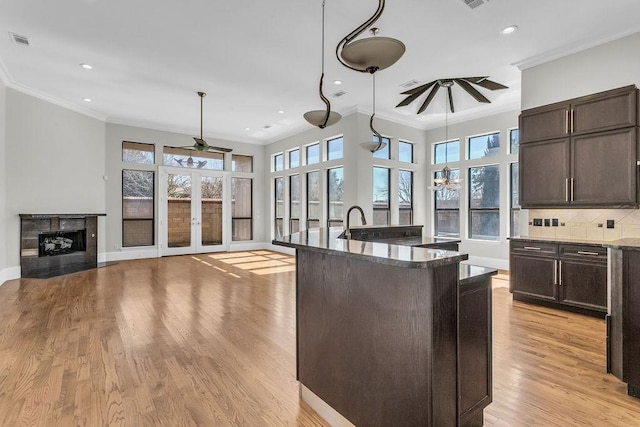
[409, 99]
[485, 83]
[201, 164]
[221, 149]
[200, 143]
[450, 99]
[472, 91]
[422, 88]
[427, 101]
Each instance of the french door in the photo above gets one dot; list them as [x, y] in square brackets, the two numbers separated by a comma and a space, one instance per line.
[194, 213]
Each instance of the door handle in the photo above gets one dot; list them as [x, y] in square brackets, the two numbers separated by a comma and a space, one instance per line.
[566, 189]
[572, 122]
[555, 271]
[566, 123]
[560, 273]
[532, 248]
[572, 180]
[588, 253]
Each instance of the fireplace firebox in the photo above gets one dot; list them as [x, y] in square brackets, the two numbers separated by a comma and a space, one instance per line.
[56, 244]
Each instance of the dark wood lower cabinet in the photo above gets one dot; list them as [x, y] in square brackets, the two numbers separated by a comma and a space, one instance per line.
[569, 277]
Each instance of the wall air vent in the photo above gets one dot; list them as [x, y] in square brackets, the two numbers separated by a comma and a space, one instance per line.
[474, 3]
[18, 39]
[339, 94]
[409, 84]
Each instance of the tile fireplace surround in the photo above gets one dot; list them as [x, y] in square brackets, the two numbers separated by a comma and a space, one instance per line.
[56, 244]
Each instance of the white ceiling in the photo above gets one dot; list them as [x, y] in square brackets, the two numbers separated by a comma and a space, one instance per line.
[253, 58]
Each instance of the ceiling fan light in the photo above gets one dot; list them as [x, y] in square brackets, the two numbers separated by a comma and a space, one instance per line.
[373, 146]
[373, 53]
[317, 117]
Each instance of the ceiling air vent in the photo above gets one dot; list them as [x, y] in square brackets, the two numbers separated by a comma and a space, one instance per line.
[339, 94]
[411, 83]
[474, 3]
[18, 39]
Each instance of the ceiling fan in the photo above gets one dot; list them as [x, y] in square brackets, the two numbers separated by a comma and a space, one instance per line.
[190, 162]
[201, 144]
[464, 82]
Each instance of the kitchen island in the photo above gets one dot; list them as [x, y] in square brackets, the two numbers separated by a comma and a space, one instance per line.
[389, 334]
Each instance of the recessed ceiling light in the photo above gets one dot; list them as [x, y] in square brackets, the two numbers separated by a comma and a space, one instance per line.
[247, 128]
[280, 111]
[87, 99]
[337, 82]
[86, 66]
[508, 30]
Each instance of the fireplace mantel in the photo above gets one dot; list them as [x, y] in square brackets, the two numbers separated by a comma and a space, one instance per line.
[37, 263]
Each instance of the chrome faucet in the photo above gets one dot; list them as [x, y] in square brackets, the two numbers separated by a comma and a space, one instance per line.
[347, 231]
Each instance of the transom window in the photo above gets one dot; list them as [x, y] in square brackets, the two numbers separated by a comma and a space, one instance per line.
[444, 152]
[405, 151]
[138, 152]
[313, 153]
[382, 153]
[484, 146]
[334, 148]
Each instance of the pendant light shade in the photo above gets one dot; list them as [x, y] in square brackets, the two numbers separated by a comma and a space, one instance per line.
[371, 54]
[446, 181]
[326, 117]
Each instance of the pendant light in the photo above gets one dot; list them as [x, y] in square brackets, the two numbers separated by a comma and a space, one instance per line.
[374, 146]
[370, 54]
[326, 117]
[446, 182]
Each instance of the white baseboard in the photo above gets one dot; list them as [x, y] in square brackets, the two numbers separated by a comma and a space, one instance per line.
[501, 264]
[330, 415]
[128, 255]
[281, 249]
[252, 246]
[9, 273]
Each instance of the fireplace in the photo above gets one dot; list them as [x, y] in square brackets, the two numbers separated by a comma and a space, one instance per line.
[52, 243]
[56, 244]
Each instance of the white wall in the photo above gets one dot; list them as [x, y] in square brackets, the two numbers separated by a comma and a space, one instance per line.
[3, 188]
[489, 253]
[357, 163]
[115, 134]
[54, 164]
[608, 66]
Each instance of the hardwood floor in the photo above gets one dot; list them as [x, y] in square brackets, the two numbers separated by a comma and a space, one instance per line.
[210, 340]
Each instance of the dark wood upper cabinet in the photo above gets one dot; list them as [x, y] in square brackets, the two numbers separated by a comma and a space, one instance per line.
[572, 151]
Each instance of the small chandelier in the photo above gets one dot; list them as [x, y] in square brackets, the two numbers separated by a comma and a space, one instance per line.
[326, 117]
[446, 181]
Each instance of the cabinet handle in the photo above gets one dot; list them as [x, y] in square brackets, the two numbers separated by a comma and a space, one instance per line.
[588, 253]
[571, 127]
[566, 123]
[566, 189]
[572, 189]
[560, 272]
[555, 271]
[532, 248]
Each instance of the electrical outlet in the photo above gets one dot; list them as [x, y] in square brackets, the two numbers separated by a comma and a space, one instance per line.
[554, 222]
[610, 223]
[537, 222]
[547, 222]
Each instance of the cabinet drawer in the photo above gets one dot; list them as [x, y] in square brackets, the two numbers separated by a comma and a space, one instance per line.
[535, 248]
[586, 253]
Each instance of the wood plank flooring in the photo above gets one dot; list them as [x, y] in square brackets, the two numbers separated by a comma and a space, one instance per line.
[210, 340]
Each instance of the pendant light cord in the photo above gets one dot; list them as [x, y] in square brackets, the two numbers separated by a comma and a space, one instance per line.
[322, 97]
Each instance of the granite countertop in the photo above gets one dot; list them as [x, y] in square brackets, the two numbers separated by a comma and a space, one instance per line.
[417, 240]
[471, 273]
[627, 244]
[326, 240]
[565, 240]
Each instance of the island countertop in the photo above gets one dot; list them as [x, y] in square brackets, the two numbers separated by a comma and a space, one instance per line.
[326, 240]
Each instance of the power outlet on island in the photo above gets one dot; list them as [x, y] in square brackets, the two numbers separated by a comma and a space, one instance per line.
[537, 222]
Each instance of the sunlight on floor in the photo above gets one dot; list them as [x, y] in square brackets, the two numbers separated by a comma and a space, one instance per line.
[257, 262]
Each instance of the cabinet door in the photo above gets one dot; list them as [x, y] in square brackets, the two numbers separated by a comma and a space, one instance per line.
[603, 168]
[548, 122]
[533, 277]
[613, 109]
[544, 173]
[631, 318]
[583, 284]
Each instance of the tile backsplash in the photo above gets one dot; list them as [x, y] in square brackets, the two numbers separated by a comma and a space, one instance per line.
[590, 224]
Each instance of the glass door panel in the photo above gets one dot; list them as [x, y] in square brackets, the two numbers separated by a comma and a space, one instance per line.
[211, 210]
[179, 195]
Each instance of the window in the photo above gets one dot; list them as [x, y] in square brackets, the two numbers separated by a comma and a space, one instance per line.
[279, 207]
[382, 153]
[137, 152]
[137, 208]
[241, 209]
[294, 158]
[514, 141]
[278, 162]
[484, 146]
[184, 157]
[334, 148]
[294, 203]
[447, 209]
[484, 203]
[515, 201]
[313, 199]
[405, 151]
[241, 163]
[446, 152]
[313, 153]
[336, 196]
[381, 195]
[405, 197]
